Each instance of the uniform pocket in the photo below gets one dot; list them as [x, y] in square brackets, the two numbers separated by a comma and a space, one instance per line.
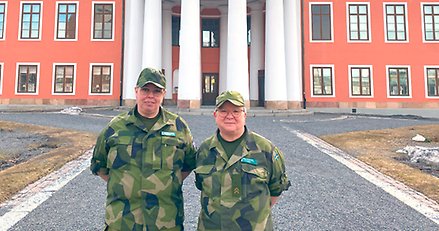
[255, 179]
[172, 154]
[203, 178]
[120, 152]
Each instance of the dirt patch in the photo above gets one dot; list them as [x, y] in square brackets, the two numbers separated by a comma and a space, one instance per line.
[30, 152]
[378, 149]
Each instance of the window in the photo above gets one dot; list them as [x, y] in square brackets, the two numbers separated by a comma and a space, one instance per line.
[175, 30]
[433, 81]
[66, 21]
[431, 22]
[30, 20]
[398, 80]
[101, 76]
[358, 22]
[102, 21]
[395, 22]
[321, 22]
[360, 80]
[2, 20]
[64, 78]
[27, 78]
[249, 32]
[210, 32]
[322, 80]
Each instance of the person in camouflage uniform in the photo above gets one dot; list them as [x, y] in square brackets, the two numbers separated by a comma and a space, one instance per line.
[240, 173]
[144, 155]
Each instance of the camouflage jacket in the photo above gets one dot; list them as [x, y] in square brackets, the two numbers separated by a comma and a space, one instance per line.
[144, 186]
[236, 193]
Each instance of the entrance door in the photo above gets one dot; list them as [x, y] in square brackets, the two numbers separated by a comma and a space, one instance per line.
[261, 88]
[210, 88]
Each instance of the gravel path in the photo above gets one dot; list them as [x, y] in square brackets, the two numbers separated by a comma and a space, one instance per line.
[324, 195]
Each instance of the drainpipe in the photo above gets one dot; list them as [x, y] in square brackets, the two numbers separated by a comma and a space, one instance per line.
[303, 52]
[123, 54]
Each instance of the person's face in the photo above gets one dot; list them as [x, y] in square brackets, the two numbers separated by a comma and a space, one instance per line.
[230, 119]
[149, 99]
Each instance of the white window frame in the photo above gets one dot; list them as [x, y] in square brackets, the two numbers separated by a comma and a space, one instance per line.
[41, 21]
[311, 74]
[310, 22]
[4, 22]
[90, 76]
[54, 78]
[409, 82]
[369, 32]
[406, 22]
[371, 81]
[37, 82]
[2, 68]
[56, 20]
[426, 81]
[92, 20]
[423, 23]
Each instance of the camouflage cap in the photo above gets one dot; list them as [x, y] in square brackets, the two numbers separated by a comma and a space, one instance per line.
[151, 75]
[233, 97]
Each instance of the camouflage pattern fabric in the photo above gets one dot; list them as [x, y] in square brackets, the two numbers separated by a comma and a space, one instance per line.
[236, 193]
[144, 187]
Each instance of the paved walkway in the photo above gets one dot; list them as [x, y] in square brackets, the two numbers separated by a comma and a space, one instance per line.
[429, 113]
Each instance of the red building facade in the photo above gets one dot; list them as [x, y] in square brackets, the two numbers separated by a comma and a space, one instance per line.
[371, 54]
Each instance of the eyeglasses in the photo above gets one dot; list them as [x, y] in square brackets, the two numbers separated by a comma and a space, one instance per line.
[224, 113]
[147, 91]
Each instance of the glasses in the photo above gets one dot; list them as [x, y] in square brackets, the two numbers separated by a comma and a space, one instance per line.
[224, 113]
[147, 91]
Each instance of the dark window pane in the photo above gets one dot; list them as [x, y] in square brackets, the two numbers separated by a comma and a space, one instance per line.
[321, 22]
[103, 21]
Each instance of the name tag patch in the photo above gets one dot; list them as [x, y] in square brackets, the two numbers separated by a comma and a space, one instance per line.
[249, 161]
[172, 134]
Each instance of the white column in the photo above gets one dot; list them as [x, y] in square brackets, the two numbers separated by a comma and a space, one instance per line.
[132, 47]
[275, 79]
[256, 48]
[167, 48]
[293, 53]
[152, 34]
[223, 49]
[237, 59]
[189, 80]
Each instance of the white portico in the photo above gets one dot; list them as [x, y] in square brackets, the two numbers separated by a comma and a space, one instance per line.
[208, 46]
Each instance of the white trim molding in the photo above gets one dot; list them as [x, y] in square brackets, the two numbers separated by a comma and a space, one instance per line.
[4, 20]
[369, 23]
[57, 19]
[423, 23]
[40, 23]
[426, 81]
[311, 66]
[91, 76]
[406, 20]
[54, 78]
[310, 22]
[371, 81]
[409, 80]
[92, 20]
[37, 81]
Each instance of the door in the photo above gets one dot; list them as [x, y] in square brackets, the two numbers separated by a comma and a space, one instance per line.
[261, 88]
[210, 88]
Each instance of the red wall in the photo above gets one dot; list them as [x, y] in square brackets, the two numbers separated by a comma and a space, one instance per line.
[377, 53]
[48, 51]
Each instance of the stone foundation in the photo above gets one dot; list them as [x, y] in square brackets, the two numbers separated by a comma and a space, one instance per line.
[278, 105]
[371, 105]
[295, 105]
[88, 102]
[191, 104]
